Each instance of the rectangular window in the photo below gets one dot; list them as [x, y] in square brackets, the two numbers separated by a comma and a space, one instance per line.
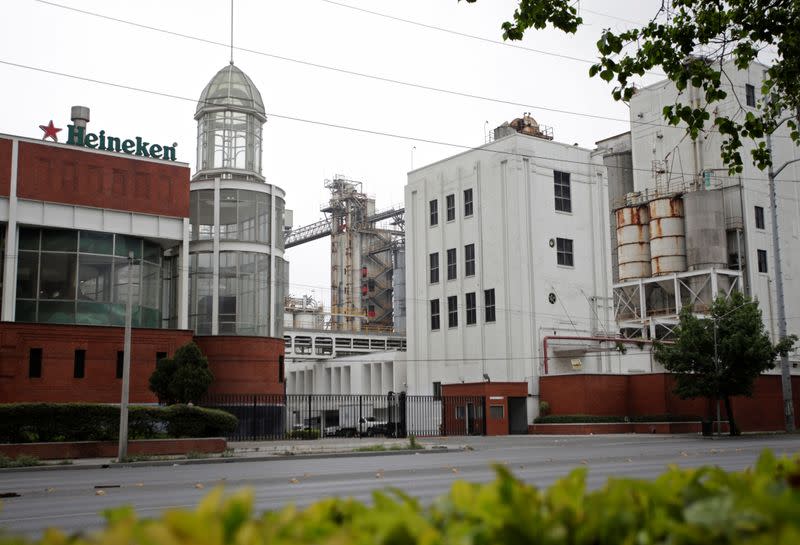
[762, 261]
[434, 212]
[497, 412]
[488, 304]
[434, 314]
[437, 390]
[79, 364]
[750, 95]
[564, 254]
[563, 194]
[452, 311]
[472, 313]
[35, 363]
[160, 356]
[759, 217]
[467, 203]
[451, 207]
[120, 362]
[451, 264]
[434, 263]
[281, 369]
[469, 260]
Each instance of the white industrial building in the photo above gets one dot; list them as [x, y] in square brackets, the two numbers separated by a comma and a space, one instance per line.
[684, 230]
[508, 263]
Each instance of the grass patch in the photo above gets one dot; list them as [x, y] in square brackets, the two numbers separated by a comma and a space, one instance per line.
[23, 460]
[371, 448]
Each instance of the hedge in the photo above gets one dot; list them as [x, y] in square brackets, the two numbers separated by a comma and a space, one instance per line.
[601, 419]
[48, 422]
[681, 507]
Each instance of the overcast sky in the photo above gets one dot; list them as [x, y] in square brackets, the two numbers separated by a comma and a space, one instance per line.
[299, 156]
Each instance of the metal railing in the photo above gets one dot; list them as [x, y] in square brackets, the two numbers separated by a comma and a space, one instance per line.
[319, 416]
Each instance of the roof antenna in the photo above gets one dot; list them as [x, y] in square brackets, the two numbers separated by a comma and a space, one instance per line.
[231, 31]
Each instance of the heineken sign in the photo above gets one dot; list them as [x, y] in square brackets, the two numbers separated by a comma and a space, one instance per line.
[77, 136]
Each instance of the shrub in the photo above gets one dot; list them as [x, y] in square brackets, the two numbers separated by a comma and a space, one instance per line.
[544, 408]
[49, 422]
[182, 379]
[682, 506]
[601, 419]
[303, 434]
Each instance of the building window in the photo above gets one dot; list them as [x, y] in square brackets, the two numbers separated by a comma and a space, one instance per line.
[434, 262]
[79, 364]
[451, 207]
[160, 356]
[281, 369]
[759, 217]
[497, 412]
[564, 252]
[437, 390]
[469, 260]
[434, 212]
[472, 313]
[451, 264]
[562, 191]
[750, 95]
[762, 261]
[120, 362]
[452, 311]
[467, 202]
[434, 314]
[35, 363]
[488, 304]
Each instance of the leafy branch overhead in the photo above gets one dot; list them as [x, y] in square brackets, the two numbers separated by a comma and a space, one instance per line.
[694, 42]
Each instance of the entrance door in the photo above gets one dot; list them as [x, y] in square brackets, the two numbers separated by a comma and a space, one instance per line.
[517, 415]
[470, 418]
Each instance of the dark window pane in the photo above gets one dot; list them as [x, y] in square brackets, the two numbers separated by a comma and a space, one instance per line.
[28, 239]
[57, 312]
[451, 264]
[95, 277]
[97, 243]
[79, 366]
[25, 311]
[93, 313]
[57, 240]
[120, 363]
[762, 261]
[451, 207]
[434, 212]
[452, 311]
[489, 310]
[467, 202]
[27, 275]
[35, 363]
[434, 314]
[471, 310]
[126, 244]
[57, 276]
[759, 217]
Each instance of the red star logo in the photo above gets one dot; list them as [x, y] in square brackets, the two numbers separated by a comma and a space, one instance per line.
[50, 131]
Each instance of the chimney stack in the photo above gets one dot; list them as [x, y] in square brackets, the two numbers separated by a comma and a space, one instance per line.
[80, 116]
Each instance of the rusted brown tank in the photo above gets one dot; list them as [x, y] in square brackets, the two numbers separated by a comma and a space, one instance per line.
[667, 236]
[633, 242]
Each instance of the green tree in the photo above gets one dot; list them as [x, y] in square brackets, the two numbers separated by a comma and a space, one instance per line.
[721, 356]
[183, 378]
[691, 41]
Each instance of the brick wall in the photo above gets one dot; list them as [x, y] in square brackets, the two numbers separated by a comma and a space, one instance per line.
[5, 167]
[58, 344]
[652, 394]
[243, 365]
[69, 175]
[494, 393]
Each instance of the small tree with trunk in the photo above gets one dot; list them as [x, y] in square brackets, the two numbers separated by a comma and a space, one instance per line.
[721, 356]
[183, 378]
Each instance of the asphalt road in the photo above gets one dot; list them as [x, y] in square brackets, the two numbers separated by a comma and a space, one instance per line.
[67, 498]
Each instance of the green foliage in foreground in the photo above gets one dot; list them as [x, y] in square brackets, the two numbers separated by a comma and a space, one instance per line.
[682, 506]
[50, 422]
[23, 460]
[606, 419]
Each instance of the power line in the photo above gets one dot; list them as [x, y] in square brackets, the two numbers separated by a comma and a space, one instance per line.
[485, 148]
[342, 70]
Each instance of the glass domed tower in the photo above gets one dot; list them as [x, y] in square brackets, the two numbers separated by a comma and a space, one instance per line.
[237, 274]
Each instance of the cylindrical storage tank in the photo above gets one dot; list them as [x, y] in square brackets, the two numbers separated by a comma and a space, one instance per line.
[399, 289]
[633, 242]
[707, 245]
[667, 240]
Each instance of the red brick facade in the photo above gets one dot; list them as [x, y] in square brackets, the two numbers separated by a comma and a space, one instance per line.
[241, 365]
[652, 394]
[494, 393]
[64, 174]
[5, 167]
[244, 365]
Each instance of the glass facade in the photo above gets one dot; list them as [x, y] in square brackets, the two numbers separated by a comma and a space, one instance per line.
[229, 140]
[82, 277]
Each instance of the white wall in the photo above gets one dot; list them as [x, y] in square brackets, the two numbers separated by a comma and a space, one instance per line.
[514, 219]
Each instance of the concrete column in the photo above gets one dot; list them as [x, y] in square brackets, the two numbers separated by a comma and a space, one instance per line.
[10, 261]
[183, 280]
[215, 264]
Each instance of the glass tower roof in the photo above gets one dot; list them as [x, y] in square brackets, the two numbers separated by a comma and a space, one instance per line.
[231, 89]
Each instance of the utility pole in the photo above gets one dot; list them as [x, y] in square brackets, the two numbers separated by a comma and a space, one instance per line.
[126, 370]
[786, 377]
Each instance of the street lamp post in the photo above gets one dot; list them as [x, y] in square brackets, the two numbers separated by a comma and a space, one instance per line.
[786, 378]
[126, 370]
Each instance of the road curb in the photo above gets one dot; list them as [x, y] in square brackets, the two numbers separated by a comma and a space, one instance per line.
[232, 459]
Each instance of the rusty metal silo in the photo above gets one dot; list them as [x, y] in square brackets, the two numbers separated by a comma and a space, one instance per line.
[633, 242]
[667, 236]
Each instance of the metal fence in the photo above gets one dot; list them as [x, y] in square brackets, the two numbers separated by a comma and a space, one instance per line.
[294, 416]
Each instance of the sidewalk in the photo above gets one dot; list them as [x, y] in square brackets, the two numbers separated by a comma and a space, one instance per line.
[243, 451]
